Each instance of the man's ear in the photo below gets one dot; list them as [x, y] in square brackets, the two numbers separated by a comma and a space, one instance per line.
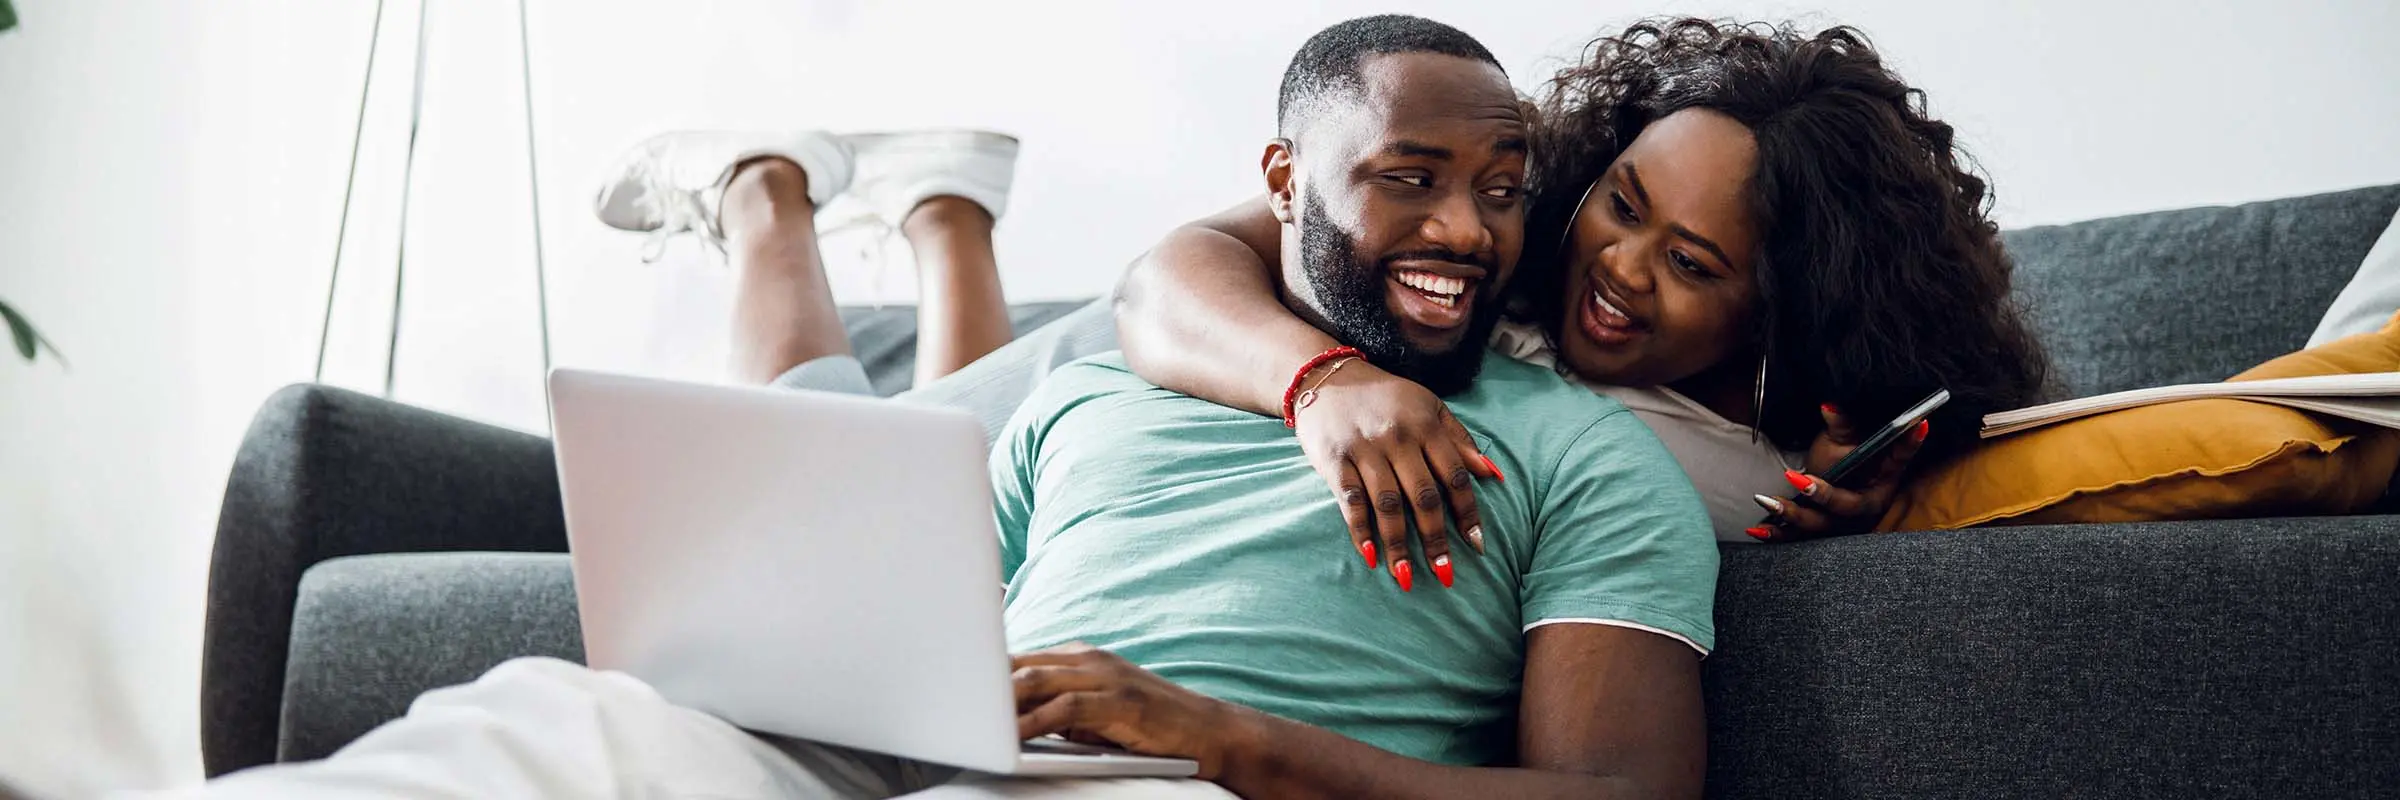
[1276, 164]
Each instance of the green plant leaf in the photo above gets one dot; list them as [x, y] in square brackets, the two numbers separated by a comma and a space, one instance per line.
[28, 340]
[8, 16]
[19, 328]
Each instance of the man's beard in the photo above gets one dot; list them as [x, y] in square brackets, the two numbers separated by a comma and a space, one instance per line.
[1350, 295]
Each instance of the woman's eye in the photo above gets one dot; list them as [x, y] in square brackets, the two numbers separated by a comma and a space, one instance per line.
[1503, 192]
[1686, 263]
[1624, 209]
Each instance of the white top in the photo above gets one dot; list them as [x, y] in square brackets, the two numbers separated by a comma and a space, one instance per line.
[1724, 460]
[2372, 295]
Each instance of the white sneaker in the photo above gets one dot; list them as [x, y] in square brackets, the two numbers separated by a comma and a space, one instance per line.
[674, 182]
[896, 172]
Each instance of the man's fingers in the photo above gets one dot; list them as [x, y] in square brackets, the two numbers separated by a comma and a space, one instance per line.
[1087, 737]
[1390, 504]
[1068, 654]
[1432, 512]
[1837, 427]
[1036, 685]
[1067, 712]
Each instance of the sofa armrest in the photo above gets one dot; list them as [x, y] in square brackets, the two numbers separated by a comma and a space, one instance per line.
[370, 633]
[325, 473]
[2220, 658]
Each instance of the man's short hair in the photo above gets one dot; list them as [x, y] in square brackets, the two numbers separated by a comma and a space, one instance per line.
[1326, 68]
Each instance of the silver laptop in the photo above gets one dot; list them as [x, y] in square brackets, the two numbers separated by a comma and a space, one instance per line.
[813, 565]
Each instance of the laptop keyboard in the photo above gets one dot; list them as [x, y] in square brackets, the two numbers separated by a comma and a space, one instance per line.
[1052, 745]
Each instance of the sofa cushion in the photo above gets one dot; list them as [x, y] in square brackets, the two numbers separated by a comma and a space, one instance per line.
[2242, 658]
[2191, 295]
[372, 632]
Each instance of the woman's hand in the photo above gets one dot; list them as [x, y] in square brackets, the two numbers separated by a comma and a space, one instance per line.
[1094, 696]
[1391, 450]
[1823, 509]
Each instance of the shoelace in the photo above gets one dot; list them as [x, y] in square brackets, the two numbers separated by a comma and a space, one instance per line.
[679, 212]
[874, 248]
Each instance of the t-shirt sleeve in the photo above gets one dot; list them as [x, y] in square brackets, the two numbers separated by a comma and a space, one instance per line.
[1623, 539]
[1014, 461]
[1024, 446]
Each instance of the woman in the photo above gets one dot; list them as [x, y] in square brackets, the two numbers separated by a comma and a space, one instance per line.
[1757, 240]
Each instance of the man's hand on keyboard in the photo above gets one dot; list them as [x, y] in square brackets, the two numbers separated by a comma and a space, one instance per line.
[1091, 695]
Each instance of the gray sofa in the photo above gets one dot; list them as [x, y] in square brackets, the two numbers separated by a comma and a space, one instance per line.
[368, 551]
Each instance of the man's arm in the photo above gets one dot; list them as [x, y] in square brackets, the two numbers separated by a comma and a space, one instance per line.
[1607, 712]
[1610, 708]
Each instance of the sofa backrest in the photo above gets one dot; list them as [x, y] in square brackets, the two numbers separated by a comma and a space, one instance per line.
[2194, 294]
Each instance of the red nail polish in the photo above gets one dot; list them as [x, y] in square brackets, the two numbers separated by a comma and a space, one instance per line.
[1441, 569]
[1924, 426]
[1760, 533]
[1402, 573]
[1801, 483]
[1830, 408]
[1367, 548]
[1494, 468]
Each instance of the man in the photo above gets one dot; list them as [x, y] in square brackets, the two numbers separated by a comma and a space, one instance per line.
[1179, 576]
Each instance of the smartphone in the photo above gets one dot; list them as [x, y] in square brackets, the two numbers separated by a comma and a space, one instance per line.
[1883, 439]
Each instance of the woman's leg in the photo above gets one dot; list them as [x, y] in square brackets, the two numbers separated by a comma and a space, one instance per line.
[942, 189]
[783, 313]
[993, 386]
[961, 314]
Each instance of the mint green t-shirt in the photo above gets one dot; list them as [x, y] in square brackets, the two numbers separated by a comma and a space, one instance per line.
[1195, 540]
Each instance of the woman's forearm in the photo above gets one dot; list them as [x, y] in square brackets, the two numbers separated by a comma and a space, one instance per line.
[1201, 314]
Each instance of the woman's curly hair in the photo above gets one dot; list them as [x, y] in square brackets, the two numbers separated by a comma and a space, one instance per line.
[1880, 274]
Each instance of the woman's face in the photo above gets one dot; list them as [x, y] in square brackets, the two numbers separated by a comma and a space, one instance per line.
[1659, 258]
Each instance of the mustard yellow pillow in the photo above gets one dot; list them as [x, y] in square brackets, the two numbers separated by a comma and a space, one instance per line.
[2195, 459]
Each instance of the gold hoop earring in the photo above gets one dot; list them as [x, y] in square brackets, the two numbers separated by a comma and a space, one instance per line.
[1568, 235]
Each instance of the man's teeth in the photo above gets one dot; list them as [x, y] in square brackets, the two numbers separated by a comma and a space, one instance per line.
[1435, 285]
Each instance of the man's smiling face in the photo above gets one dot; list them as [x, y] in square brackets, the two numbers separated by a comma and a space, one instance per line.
[1410, 214]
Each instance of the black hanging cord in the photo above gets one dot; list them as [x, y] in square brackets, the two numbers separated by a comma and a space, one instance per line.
[533, 173]
[357, 135]
[408, 172]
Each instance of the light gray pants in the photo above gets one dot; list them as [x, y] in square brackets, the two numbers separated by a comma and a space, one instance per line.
[993, 386]
[545, 728]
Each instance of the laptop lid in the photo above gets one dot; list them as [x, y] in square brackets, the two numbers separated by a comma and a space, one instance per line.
[813, 565]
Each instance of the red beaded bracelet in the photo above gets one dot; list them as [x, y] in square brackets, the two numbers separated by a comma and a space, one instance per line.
[1292, 392]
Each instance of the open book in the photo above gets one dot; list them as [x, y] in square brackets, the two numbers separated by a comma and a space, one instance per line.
[2370, 397]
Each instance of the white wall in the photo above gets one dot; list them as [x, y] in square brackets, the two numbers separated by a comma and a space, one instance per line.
[171, 174]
